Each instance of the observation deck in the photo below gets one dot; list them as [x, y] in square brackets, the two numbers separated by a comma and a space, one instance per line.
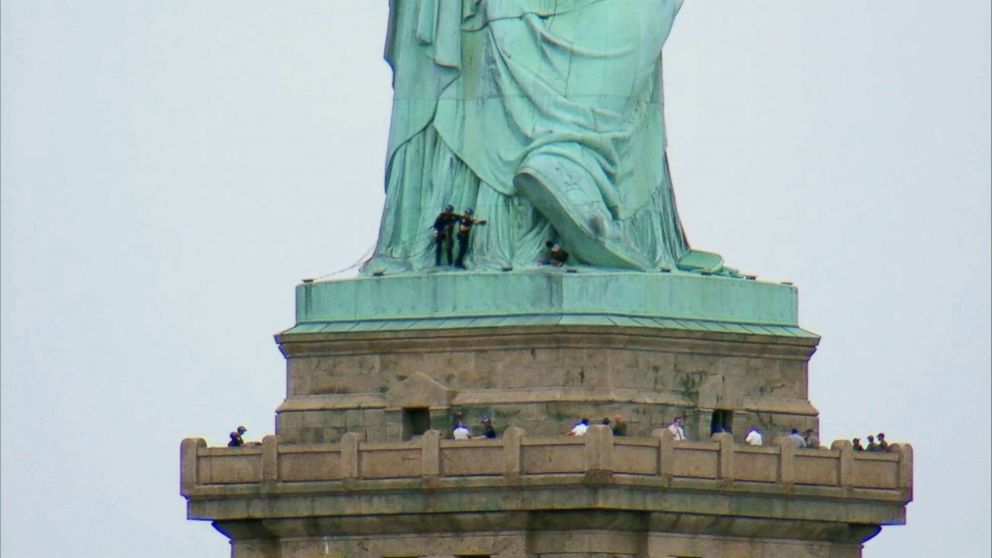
[499, 491]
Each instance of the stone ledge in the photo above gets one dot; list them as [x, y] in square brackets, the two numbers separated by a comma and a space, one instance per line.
[488, 531]
[294, 343]
[546, 297]
[718, 469]
[561, 494]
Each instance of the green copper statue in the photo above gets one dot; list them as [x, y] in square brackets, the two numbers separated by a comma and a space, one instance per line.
[546, 117]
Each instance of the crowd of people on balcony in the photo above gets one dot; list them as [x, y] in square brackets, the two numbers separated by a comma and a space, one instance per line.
[617, 425]
[461, 430]
[753, 436]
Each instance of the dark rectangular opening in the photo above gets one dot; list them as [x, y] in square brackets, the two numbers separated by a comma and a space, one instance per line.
[723, 421]
[416, 421]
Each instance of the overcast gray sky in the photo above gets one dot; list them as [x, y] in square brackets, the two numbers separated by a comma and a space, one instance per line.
[170, 170]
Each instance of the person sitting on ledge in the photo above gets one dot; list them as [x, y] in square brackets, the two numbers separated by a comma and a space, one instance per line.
[676, 429]
[856, 443]
[579, 428]
[557, 256]
[811, 439]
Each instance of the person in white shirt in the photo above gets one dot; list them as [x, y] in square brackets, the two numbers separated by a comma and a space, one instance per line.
[676, 429]
[579, 428]
[753, 437]
[796, 438]
[461, 432]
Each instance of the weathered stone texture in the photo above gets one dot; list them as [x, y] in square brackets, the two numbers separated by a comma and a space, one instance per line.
[361, 467]
[541, 380]
[596, 495]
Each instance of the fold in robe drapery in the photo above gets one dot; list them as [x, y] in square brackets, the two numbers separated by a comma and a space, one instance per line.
[494, 82]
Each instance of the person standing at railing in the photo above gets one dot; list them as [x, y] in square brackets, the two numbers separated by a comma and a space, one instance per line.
[579, 428]
[796, 439]
[457, 421]
[753, 437]
[487, 428]
[676, 429]
[619, 426]
[461, 432]
[811, 439]
[236, 440]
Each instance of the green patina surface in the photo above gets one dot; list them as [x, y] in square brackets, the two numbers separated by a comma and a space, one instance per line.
[446, 300]
[546, 117]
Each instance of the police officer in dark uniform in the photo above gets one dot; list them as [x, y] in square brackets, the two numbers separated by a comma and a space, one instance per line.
[236, 440]
[443, 225]
[465, 224]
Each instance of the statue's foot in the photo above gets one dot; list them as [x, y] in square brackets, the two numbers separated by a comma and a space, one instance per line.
[571, 202]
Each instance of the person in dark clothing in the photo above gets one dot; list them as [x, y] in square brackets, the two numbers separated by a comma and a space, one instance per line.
[487, 428]
[619, 426]
[557, 256]
[872, 446]
[465, 224]
[882, 444]
[236, 440]
[443, 226]
[856, 443]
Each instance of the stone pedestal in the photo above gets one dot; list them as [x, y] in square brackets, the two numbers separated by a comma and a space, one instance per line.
[379, 368]
[540, 350]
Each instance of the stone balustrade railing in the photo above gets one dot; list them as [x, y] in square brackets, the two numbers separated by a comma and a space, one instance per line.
[514, 456]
